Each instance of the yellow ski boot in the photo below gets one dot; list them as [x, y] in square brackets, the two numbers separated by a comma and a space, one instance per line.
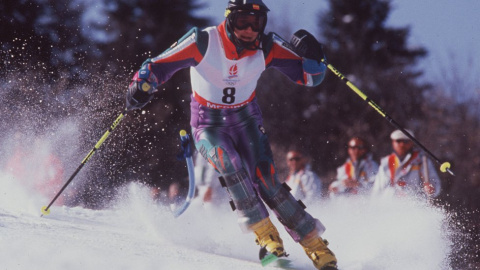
[268, 238]
[317, 250]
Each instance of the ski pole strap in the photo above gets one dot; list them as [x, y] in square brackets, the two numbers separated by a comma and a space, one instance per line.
[444, 166]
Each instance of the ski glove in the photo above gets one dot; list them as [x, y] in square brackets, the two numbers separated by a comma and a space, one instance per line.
[141, 90]
[307, 46]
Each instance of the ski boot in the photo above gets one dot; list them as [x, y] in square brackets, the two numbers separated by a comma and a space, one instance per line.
[317, 250]
[268, 238]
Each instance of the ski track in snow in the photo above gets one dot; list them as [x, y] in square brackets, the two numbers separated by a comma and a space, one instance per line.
[375, 233]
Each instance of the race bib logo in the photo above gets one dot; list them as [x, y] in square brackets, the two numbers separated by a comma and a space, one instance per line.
[233, 71]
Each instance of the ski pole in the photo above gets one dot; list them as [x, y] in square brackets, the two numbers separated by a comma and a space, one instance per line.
[187, 154]
[46, 209]
[444, 166]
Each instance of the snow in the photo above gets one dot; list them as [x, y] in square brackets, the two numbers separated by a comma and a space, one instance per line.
[380, 232]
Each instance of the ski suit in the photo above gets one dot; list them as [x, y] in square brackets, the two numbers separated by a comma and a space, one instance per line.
[227, 122]
[407, 176]
[363, 171]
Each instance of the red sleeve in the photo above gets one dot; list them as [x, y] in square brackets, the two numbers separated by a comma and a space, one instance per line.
[186, 52]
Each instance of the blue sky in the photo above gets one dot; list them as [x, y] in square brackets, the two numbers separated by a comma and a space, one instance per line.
[448, 29]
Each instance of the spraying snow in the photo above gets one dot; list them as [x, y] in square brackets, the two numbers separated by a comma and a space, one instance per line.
[371, 233]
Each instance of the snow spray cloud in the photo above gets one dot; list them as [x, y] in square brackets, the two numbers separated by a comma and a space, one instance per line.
[206, 228]
[36, 161]
[387, 232]
[56, 112]
[374, 233]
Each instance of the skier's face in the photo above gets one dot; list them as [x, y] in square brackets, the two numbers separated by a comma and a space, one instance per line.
[247, 19]
[247, 25]
[246, 35]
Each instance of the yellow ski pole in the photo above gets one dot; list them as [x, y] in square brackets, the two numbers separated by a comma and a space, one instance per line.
[444, 166]
[46, 209]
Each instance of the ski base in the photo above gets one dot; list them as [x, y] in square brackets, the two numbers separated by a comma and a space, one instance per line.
[268, 259]
[277, 262]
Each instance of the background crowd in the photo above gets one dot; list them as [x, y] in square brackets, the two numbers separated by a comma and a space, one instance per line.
[405, 171]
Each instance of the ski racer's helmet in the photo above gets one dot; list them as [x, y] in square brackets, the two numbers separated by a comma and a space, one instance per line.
[242, 14]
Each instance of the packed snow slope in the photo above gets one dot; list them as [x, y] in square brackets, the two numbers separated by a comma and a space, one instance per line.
[374, 233]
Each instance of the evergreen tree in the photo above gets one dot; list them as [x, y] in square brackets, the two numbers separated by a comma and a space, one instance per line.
[44, 36]
[374, 57]
[143, 28]
[19, 40]
[139, 30]
[378, 60]
[62, 59]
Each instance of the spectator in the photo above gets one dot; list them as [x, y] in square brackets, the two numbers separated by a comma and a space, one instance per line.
[209, 188]
[357, 174]
[407, 170]
[175, 194]
[305, 184]
[37, 167]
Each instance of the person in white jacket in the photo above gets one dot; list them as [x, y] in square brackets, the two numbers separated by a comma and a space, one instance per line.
[209, 187]
[305, 184]
[357, 174]
[407, 171]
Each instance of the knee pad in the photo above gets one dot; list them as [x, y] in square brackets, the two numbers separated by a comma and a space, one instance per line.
[244, 198]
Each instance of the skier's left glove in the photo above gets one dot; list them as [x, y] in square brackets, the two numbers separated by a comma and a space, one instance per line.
[307, 46]
[141, 90]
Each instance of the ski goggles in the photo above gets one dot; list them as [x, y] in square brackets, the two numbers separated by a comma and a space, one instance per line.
[254, 20]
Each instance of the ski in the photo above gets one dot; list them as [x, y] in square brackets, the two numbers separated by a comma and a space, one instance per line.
[267, 258]
[277, 262]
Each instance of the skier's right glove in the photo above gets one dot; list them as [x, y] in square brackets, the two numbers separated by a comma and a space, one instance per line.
[141, 90]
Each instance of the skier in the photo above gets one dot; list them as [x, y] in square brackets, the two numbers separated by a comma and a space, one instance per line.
[407, 170]
[305, 184]
[357, 174]
[225, 63]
